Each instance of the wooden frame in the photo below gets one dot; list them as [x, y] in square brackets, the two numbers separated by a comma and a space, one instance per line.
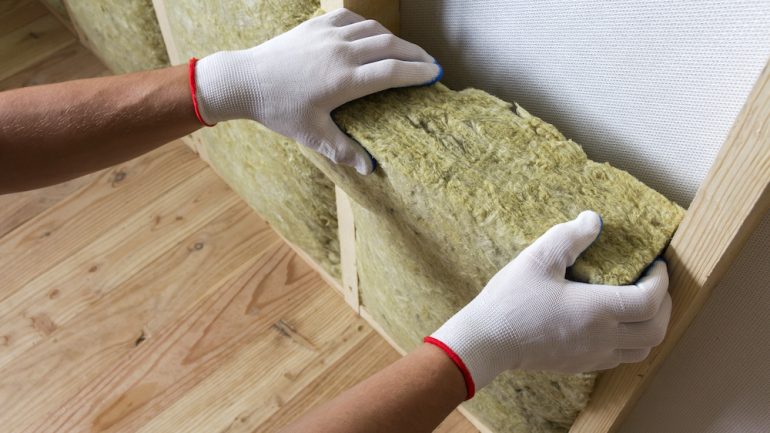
[727, 208]
[64, 19]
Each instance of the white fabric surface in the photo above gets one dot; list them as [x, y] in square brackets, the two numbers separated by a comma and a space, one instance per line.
[530, 317]
[652, 87]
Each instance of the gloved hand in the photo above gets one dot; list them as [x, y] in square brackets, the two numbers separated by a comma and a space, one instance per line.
[292, 82]
[530, 317]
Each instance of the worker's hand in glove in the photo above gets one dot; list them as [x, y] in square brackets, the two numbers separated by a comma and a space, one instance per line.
[530, 317]
[291, 83]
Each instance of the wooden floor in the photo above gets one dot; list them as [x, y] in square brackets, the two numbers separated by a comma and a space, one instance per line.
[148, 297]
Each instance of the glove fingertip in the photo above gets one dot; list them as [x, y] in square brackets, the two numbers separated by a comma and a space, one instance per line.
[355, 155]
[591, 218]
[589, 227]
[366, 164]
[438, 76]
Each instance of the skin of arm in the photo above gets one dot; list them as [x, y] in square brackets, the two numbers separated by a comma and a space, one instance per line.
[56, 132]
[53, 133]
[414, 394]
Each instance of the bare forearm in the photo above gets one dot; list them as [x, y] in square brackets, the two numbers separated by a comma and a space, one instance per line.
[413, 394]
[56, 132]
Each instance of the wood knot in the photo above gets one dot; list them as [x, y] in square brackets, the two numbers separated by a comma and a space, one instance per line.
[141, 339]
[118, 177]
[43, 324]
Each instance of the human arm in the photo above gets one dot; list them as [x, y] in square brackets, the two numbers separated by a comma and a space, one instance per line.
[414, 394]
[527, 317]
[290, 84]
[55, 132]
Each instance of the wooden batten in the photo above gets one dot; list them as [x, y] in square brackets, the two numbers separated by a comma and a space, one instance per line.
[64, 19]
[727, 208]
[165, 30]
[347, 236]
[193, 141]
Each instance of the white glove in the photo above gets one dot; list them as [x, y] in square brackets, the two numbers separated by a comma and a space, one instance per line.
[530, 317]
[292, 82]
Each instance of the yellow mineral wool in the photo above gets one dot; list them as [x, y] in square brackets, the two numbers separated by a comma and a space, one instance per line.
[464, 184]
[124, 33]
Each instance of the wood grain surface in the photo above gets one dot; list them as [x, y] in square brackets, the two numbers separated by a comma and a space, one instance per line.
[28, 34]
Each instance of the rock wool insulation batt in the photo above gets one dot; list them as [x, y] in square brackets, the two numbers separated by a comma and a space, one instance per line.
[265, 168]
[464, 184]
[124, 33]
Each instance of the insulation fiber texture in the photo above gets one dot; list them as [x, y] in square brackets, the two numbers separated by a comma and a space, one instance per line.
[265, 168]
[124, 33]
[464, 184]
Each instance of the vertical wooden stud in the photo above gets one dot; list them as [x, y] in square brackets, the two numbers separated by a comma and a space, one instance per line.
[385, 11]
[347, 237]
[727, 208]
[193, 141]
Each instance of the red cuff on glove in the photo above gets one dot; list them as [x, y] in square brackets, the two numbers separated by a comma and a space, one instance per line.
[469, 385]
[192, 63]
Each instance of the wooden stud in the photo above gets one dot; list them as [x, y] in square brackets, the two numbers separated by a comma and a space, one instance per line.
[165, 30]
[347, 236]
[81, 36]
[727, 208]
[386, 12]
[194, 141]
[64, 19]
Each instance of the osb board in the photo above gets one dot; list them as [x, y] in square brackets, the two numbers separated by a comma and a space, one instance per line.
[265, 168]
[463, 185]
[123, 33]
